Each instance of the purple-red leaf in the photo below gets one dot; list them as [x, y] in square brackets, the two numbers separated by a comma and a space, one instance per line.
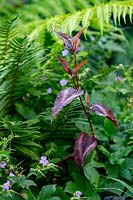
[71, 43]
[76, 69]
[65, 65]
[68, 40]
[102, 110]
[65, 97]
[76, 40]
[83, 147]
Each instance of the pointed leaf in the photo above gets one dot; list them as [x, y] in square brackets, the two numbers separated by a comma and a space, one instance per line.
[46, 192]
[87, 98]
[100, 18]
[123, 183]
[124, 14]
[65, 97]
[91, 174]
[76, 40]
[106, 13]
[83, 147]
[130, 13]
[76, 69]
[68, 43]
[101, 110]
[71, 43]
[115, 10]
[68, 40]
[65, 65]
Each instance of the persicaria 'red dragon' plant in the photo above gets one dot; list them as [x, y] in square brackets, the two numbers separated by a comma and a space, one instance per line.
[84, 143]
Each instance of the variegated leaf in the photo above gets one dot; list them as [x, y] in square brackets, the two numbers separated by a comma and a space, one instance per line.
[83, 147]
[65, 97]
[102, 110]
[70, 43]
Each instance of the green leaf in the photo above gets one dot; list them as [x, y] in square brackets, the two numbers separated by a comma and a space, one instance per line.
[122, 183]
[97, 164]
[23, 182]
[91, 174]
[110, 128]
[100, 18]
[106, 13]
[86, 189]
[27, 183]
[115, 10]
[26, 111]
[124, 14]
[46, 192]
[27, 152]
[86, 18]
[60, 192]
[111, 186]
[118, 156]
[104, 151]
[71, 187]
[125, 173]
[4, 154]
[112, 170]
[30, 143]
[54, 198]
[81, 183]
[128, 163]
[119, 14]
[130, 13]
[27, 195]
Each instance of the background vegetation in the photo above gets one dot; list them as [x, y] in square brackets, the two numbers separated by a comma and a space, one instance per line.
[30, 78]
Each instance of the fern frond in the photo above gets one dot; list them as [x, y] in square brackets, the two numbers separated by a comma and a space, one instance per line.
[6, 34]
[22, 134]
[68, 15]
[17, 57]
[130, 13]
[100, 17]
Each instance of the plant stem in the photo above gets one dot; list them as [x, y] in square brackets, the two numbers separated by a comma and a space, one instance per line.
[76, 84]
[75, 61]
[87, 115]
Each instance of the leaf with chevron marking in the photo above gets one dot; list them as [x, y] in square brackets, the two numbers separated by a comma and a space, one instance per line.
[65, 97]
[102, 110]
[71, 43]
[83, 147]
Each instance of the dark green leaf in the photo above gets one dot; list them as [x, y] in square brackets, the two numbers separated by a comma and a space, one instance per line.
[28, 195]
[125, 173]
[91, 174]
[46, 192]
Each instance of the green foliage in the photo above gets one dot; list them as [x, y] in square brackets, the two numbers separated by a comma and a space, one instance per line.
[28, 68]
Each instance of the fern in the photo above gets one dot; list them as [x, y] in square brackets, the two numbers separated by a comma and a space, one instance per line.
[22, 135]
[18, 66]
[17, 55]
[101, 15]
[69, 15]
[6, 34]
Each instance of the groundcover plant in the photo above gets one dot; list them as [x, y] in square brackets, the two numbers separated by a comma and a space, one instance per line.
[65, 105]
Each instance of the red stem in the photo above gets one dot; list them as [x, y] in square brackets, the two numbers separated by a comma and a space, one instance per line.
[76, 84]
[87, 115]
[75, 61]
